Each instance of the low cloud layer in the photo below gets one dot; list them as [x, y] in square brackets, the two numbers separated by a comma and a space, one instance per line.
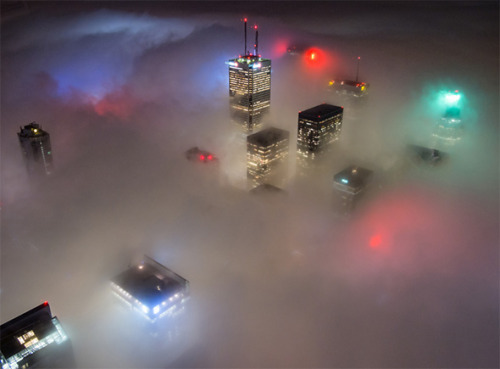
[410, 280]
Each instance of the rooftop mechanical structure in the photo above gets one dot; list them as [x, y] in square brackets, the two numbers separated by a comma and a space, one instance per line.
[249, 87]
[35, 339]
[151, 289]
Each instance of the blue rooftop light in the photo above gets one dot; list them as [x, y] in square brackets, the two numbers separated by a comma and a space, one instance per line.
[344, 180]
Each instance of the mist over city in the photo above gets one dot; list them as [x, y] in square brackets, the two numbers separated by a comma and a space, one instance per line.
[409, 279]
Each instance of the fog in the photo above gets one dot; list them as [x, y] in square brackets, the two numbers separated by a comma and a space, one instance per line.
[125, 88]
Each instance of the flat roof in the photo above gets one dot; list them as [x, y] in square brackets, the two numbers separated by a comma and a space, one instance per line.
[268, 136]
[353, 176]
[32, 130]
[321, 112]
[150, 282]
[353, 83]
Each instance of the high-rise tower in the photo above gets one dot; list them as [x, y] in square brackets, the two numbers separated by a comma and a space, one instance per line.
[36, 149]
[317, 128]
[249, 87]
[267, 155]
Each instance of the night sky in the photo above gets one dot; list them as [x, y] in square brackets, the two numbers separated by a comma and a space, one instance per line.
[125, 88]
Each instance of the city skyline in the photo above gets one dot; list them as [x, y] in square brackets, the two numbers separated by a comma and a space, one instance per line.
[126, 88]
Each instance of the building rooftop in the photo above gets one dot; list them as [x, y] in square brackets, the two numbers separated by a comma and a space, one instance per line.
[32, 130]
[353, 176]
[266, 188]
[427, 155]
[268, 136]
[352, 83]
[151, 286]
[321, 112]
[250, 60]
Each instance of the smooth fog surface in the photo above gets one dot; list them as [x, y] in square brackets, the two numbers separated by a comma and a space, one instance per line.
[410, 280]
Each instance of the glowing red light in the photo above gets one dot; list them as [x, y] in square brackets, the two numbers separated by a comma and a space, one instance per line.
[316, 58]
[202, 157]
[45, 303]
[375, 240]
[210, 157]
[245, 19]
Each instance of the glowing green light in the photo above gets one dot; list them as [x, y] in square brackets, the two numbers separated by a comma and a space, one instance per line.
[452, 98]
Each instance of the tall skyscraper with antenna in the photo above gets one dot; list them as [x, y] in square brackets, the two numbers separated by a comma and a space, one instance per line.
[249, 87]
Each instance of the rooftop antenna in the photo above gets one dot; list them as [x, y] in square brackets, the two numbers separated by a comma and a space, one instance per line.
[256, 46]
[357, 69]
[246, 52]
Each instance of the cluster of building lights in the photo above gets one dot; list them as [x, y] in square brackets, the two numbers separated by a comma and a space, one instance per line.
[32, 344]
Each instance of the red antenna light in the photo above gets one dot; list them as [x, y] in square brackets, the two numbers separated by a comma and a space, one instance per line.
[45, 303]
[210, 157]
[202, 157]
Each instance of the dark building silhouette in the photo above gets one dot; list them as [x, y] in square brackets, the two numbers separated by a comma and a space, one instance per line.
[36, 149]
[151, 289]
[267, 154]
[35, 339]
[318, 127]
[249, 87]
[349, 185]
[425, 155]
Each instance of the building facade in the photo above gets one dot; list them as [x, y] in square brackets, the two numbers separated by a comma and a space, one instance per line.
[318, 127]
[267, 156]
[349, 184]
[35, 339]
[36, 149]
[249, 91]
[449, 128]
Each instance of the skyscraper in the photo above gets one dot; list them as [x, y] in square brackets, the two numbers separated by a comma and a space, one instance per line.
[349, 184]
[267, 153]
[249, 87]
[317, 128]
[35, 339]
[36, 149]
